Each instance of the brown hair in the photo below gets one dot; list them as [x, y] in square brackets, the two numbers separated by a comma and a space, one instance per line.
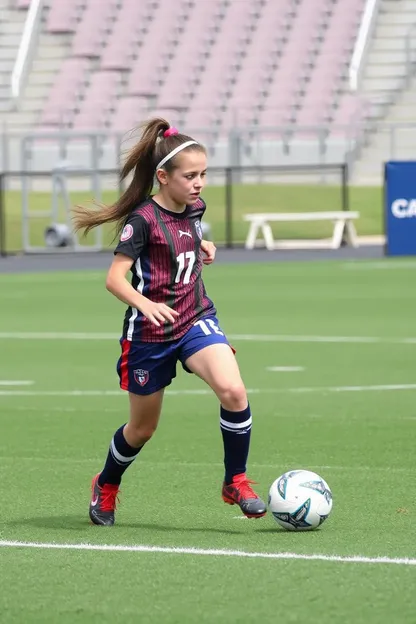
[142, 161]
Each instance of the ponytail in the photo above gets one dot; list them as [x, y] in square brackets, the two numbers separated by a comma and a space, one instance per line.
[142, 161]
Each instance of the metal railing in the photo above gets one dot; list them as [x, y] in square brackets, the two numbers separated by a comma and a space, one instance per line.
[27, 43]
[364, 36]
[234, 194]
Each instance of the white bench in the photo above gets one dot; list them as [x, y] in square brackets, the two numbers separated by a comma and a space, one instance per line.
[260, 224]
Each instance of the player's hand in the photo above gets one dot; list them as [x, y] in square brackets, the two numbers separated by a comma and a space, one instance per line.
[209, 250]
[158, 313]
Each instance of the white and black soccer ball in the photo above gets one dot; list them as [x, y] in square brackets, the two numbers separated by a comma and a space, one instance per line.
[300, 500]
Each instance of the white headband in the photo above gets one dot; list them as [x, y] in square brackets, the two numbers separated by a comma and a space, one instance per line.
[174, 152]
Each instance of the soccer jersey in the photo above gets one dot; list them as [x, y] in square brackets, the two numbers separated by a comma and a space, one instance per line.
[167, 268]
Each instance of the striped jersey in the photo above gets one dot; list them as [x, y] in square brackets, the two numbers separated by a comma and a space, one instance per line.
[167, 268]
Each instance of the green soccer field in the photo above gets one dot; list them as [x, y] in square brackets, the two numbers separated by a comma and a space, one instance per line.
[177, 554]
[246, 199]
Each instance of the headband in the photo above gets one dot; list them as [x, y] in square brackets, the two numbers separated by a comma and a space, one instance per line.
[174, 152]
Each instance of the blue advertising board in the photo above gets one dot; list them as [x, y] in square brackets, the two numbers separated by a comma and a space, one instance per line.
[400, 207]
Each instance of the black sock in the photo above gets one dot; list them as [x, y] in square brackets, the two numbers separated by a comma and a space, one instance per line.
[119, 458]
[235, 429]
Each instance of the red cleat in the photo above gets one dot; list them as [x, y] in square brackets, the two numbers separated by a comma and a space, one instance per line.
[103, 502]
[239, 492]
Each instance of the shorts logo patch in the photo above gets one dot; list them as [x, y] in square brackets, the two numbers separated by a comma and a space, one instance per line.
[198, 228]
[127, 232]
[141, 376]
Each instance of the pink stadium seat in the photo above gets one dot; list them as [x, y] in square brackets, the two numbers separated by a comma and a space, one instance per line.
[210, 92]
[94, 109]
[238, 114]
[348, 116]
[350, 110]
[93, 28]
[276, 116]
[70, 84]
[343, 27]
[312, 114]
[197, 118]
[156, 43]
[209, 64]
[171, 115]
[222, 64]
[258, 64]
[142, 80]
[129, 113]
[273, 20]
[124, 39]
[62, 16]
[189, 56]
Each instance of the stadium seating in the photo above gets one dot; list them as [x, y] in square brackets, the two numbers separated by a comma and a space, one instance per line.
[207, 64]
[22, 4]
[62, 17]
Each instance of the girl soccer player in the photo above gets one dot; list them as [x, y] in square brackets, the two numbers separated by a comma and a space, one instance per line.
[169, 315]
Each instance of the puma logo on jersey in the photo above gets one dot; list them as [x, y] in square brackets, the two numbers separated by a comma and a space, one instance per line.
[182, 233]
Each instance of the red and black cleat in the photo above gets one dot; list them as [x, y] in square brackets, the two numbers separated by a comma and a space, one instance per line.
[239, 492]
[103, 502]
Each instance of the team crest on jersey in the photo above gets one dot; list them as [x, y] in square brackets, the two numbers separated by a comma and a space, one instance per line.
[198, 228]
[141, 376]
[127, 232]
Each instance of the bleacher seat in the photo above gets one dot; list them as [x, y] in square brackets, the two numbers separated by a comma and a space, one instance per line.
[212, 64]
[129, 112]
[99, 96]
[94, 27]
[65, 94]
[124, 39]
[22, 4]
[62, 16]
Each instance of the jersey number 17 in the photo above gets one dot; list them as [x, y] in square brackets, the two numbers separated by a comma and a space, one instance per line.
[181, 260]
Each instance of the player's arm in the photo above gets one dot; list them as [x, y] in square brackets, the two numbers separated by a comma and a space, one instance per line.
[121, 288]
[117, 282]
[133, 241]
[209, 250]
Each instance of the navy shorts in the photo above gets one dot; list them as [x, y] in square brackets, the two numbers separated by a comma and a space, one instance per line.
[146, 367]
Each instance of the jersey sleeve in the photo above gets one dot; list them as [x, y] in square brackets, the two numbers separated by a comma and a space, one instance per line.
[134, 237]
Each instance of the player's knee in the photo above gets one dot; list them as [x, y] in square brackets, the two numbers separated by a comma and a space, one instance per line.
[141, 434]
[233, 397]
[146, 434]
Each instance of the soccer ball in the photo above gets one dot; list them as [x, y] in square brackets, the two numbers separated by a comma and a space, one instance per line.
[300, 500]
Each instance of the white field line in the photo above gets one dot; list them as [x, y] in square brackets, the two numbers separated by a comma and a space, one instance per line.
[60, 409]
[92, 393]
[285, 369]
[386, 265]
[307, 339]
[142, 548]
[52, 277]
[299, 390]
[58, 336]
[371, 388]
[91, 409]
[15, 382]
[232, 337]
[278, 466]
[13, 296]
